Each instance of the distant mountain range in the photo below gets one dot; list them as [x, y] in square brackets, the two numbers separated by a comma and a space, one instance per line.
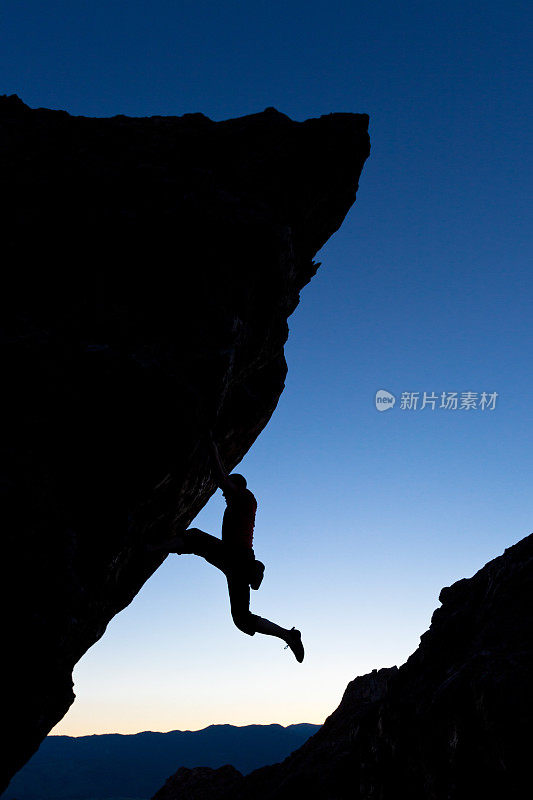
[115, 766]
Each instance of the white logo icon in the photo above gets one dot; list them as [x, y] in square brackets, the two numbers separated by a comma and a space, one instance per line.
[384, 400]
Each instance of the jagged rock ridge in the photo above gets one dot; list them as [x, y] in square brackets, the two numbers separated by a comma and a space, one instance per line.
[150, 267]
[452, 723]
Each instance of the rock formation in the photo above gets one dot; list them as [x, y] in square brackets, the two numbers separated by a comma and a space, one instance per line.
[452, 723]
[149, 269]
[188, 784]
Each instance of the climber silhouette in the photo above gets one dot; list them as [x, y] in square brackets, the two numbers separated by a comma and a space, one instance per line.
[234, 555]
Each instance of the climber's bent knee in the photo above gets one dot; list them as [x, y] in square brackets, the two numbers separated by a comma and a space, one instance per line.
[245, 623]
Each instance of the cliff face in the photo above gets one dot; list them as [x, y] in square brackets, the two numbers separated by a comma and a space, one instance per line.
[452, 723]
[150, 266]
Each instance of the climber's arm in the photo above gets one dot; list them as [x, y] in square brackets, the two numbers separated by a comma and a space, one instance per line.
[221, 476]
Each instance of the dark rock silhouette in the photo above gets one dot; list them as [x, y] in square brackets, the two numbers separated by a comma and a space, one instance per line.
[113, 766]
[216, 783]
[453, 722]
[149, 269]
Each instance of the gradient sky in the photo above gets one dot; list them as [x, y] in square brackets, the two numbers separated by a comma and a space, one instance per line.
[363, 516]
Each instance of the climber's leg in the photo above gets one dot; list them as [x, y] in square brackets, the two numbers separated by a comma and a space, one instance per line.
[201, 544]
[239, 598]
[239, 595]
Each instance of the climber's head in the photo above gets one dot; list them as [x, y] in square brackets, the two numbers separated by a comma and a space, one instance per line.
[239, 481]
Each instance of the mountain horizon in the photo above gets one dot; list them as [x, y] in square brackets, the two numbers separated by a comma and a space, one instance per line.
[121, 765]
[180, 730]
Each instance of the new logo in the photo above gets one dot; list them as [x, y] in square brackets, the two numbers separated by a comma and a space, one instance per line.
[384, 400]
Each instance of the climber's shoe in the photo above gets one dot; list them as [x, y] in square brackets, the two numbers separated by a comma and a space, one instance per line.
[174, 545]
[177, 543]
[295, 643]
[154, 547]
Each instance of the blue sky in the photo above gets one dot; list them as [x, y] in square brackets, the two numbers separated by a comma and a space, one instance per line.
[363, 516]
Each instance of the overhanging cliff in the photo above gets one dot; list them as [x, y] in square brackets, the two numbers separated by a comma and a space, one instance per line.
[150, 266]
